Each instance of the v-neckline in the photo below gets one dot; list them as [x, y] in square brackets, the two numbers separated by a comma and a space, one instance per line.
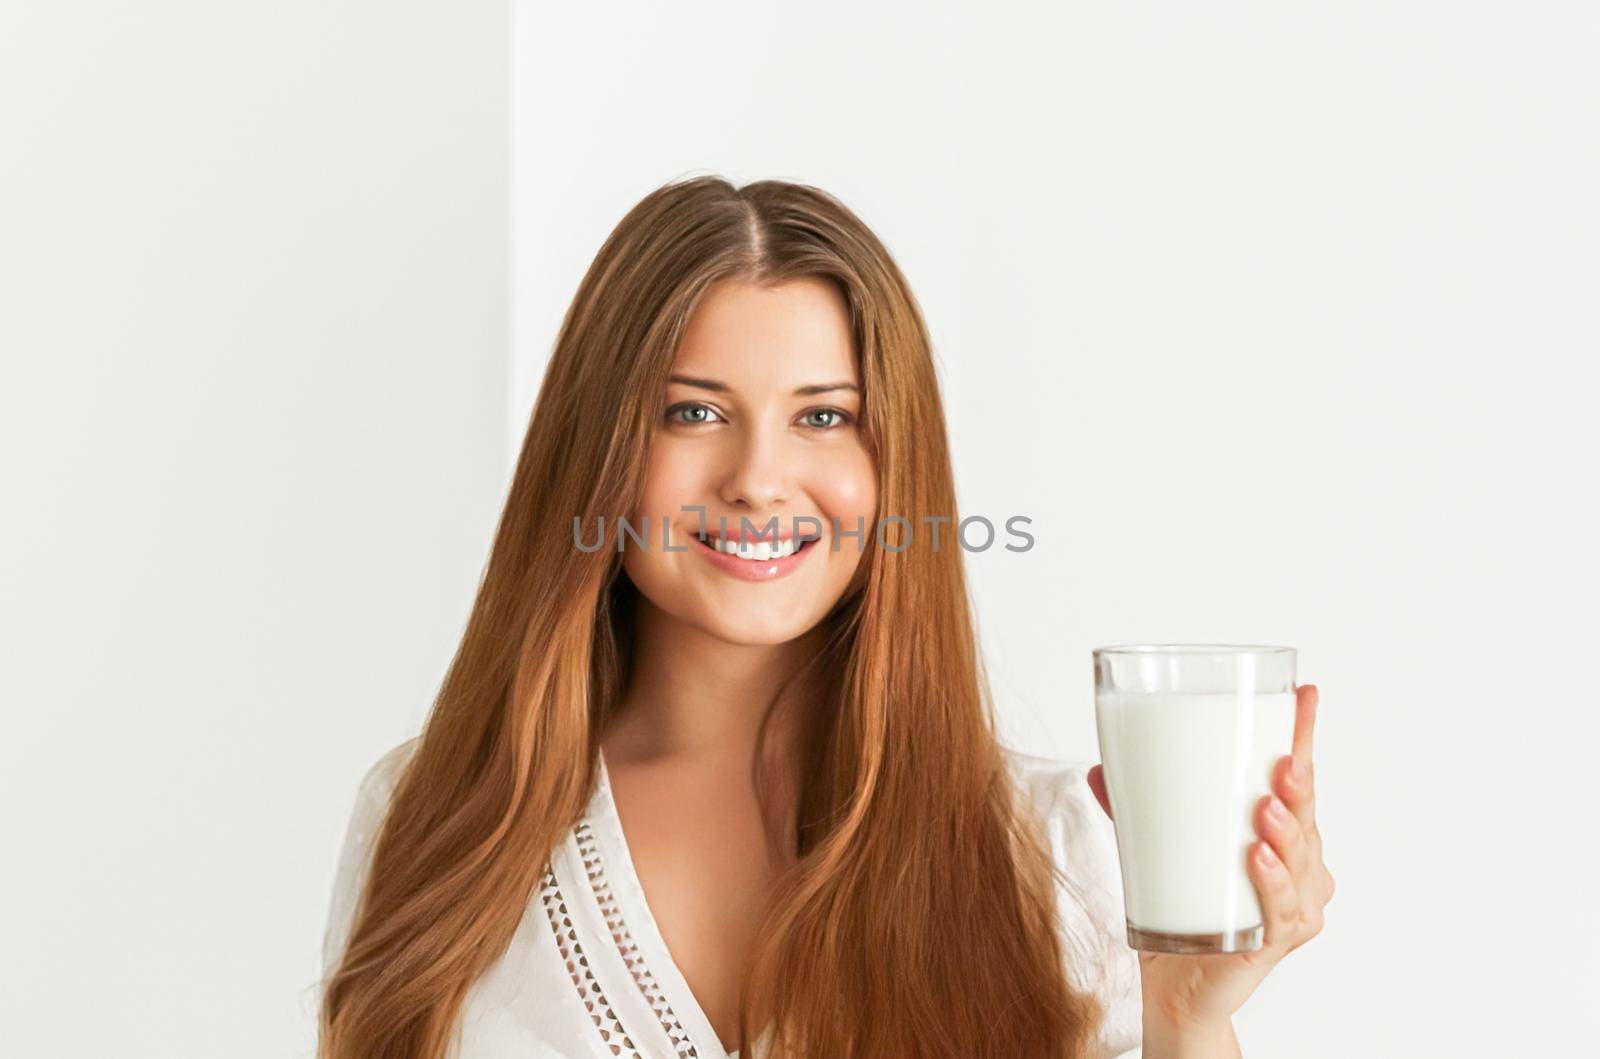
[646, 932]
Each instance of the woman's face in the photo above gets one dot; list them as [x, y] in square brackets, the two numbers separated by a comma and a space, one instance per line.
[760, 420]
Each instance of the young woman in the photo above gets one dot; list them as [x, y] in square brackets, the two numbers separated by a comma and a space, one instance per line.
[722, 779]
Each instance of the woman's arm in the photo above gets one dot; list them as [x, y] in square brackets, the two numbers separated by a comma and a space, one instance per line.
[1167, 1039]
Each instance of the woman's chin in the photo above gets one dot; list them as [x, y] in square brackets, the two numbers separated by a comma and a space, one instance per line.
[757, 626]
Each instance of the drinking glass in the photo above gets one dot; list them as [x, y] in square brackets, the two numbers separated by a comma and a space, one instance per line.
[1189, 734]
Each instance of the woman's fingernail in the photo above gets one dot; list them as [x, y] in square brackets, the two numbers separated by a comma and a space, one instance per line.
[1277, 810]
[1266, 857]
[1297, 774]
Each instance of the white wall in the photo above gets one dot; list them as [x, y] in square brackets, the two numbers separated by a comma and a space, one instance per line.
[253, 317]
[1276, 319]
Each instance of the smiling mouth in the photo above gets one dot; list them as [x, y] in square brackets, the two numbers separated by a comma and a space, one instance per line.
[756, 551]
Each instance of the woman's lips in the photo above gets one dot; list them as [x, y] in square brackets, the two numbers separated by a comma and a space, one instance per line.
[753, 569]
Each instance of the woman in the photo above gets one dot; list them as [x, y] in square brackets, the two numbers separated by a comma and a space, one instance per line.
[726, 772]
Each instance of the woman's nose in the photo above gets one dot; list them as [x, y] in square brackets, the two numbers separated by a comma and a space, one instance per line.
[761, 473]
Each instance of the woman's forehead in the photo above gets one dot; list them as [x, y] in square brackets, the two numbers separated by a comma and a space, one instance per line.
[797, 328]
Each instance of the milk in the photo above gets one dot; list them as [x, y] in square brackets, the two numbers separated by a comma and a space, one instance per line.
[1183, 773]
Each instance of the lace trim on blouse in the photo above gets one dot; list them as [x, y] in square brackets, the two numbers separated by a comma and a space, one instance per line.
[682, 1046]
[594, 999]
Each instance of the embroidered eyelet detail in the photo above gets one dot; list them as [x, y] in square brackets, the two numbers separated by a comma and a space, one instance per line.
[682, 1046]
[594, 999]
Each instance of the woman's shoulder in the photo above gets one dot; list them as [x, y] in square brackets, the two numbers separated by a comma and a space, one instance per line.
[373, 792]
[1057, 792]
[1047, 776]
[378, 782]
[1083, 844]
[1057, 789]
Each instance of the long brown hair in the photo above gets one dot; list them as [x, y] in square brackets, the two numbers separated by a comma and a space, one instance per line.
[920, 917]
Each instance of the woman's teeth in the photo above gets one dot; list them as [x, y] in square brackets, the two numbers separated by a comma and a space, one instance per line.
[758, 551]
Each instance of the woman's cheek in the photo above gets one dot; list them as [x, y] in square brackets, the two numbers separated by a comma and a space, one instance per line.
[848, 489]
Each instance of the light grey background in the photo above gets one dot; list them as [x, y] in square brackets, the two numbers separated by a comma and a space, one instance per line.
[253, 315]
[1277, 320]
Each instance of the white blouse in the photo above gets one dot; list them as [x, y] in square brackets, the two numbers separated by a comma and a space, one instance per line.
[588, 976]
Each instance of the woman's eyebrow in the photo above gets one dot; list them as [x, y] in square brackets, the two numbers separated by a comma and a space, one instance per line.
[800, 391]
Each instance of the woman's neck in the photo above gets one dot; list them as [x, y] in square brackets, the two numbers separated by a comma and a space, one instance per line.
[698, 699]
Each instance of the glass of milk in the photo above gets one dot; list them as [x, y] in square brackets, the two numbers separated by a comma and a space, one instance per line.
[1189, 734]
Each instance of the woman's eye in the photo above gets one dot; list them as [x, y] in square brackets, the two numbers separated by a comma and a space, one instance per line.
[839, 418]
[695, 414]
[675, 414]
